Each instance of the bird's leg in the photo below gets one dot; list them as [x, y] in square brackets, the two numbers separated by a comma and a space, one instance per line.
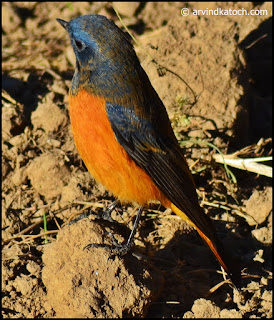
[118, 248]
[106, 215]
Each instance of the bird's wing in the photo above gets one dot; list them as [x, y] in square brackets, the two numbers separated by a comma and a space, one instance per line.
[160, 156]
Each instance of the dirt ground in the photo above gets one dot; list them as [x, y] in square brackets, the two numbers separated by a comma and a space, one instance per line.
[213, 75]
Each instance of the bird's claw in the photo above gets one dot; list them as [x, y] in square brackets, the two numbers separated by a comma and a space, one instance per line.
[116, 248]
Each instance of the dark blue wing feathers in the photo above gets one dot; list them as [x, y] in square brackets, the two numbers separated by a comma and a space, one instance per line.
[161, 157]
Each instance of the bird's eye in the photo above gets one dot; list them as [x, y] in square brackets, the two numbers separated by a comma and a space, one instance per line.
[80, 45]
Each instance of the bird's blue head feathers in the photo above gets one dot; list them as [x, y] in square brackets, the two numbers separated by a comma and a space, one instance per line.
[98, 43]
[106, 63]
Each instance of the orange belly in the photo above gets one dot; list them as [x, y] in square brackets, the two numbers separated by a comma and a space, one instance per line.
[105, 158]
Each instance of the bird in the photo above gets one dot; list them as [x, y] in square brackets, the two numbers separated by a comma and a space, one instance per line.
[123, 133]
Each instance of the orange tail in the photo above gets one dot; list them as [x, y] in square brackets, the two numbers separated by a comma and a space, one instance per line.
[215, 246]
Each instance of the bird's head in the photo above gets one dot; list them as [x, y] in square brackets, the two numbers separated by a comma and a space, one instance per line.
[103, 53]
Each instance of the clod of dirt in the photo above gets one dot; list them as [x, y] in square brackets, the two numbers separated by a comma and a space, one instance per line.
[33, 268]
[19, 177]
[225, 313]
[258, 301]
[263, 235]
[48, 175]
[12, 121]
[48, 116]
[92, 283]
[25, 285]
[10, 20]
[203, 308]
[259, 205]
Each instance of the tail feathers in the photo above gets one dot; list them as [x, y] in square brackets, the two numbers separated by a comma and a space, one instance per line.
[224, 259]
[216, 247]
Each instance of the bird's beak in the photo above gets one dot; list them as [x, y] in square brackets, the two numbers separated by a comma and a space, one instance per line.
[63, 23]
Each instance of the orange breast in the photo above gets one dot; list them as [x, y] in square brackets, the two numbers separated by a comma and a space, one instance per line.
[104, 157]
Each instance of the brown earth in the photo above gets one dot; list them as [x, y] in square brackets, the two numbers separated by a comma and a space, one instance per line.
[217, 93]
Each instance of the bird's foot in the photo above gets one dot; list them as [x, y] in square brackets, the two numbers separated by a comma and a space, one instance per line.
[115, 248]
[118, 248]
